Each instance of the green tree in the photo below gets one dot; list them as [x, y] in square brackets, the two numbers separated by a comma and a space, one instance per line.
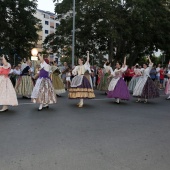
[18, 28]
[114, 27]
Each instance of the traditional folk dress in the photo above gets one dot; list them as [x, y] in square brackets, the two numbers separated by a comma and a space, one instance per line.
[104, 81]
[145, 87]
[167, 88]
[57, 81]
[8, 94]
[81, 85]
[43, 91]
[25, 84]
[135, 79]
[100, 74]
[117, 88]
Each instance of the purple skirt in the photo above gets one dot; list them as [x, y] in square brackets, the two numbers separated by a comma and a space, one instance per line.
[120, 91]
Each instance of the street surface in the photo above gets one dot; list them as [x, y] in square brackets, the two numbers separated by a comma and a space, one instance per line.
[102, 135]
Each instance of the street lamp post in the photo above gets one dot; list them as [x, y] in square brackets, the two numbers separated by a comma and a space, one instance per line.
[73, 33]
[34, 57]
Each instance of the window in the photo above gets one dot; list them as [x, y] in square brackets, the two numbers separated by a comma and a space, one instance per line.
[46, 31]
[46, 16]
[46, 22]
[57, 25]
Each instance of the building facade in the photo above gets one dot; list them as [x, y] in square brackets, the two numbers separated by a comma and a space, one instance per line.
[49, 24]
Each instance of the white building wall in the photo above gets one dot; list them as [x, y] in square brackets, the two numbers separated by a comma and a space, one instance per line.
[48, 21]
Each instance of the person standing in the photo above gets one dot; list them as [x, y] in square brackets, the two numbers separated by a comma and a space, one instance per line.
[145, 87]
[68, 78]
[158, 72]
[167, 89]
[165, 77]
[63, 71]
[43, 92]
[117, 88]
[153, 73]
[81, 85]
[8, 94]
[161, 77]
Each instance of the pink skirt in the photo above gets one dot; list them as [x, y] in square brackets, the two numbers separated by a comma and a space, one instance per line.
[8, 94]
[167, 89]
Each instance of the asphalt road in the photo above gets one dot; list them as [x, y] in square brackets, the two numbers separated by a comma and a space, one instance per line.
[100, 136]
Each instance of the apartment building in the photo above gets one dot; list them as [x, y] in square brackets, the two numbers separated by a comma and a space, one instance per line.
[49, 25]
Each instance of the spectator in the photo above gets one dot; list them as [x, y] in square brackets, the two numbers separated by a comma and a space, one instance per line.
[161, 77]
[158, 72]
[153, 73]
[63, 71]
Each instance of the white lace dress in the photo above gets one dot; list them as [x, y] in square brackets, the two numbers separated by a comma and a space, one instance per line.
[8, 94]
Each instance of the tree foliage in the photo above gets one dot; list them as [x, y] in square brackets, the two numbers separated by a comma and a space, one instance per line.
[114, 27]
[18, 28]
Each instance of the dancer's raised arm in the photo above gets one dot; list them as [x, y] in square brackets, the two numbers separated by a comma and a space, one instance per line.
[88, 58]
[4, 60]
[150, 62]
[124, 66]
[41, 58]
[124, 63]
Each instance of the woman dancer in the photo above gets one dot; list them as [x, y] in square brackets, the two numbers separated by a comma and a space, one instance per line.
[68, 78]
[25, 84]
[56, 80]
[117, 88]
[81, 85]
[145, 87]
[135, 78]
[8, 94]
[104, 81]
[43, 92]
[167, 89]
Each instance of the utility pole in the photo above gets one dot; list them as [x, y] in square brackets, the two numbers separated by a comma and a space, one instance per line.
[73, 34]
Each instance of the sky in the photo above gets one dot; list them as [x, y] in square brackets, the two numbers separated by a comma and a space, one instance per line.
[46, 5]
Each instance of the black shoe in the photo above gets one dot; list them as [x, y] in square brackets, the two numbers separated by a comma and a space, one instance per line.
[26, 97]
[46, 107]
[58, 95]
[39, 109]
[138, 101]
[4, 110]
[168, 98]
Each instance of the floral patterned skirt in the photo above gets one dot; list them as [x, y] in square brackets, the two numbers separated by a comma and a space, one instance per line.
[147, 90]
[8, 94]
[43, 92]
